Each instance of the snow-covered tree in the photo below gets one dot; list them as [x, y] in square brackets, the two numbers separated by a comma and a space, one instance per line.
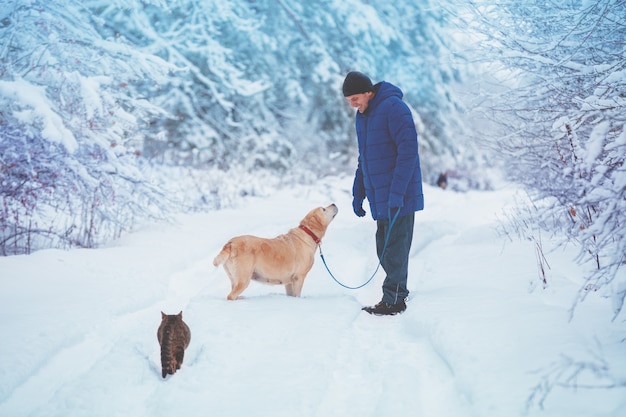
[565, 119]
[70, 129]
[262, 86]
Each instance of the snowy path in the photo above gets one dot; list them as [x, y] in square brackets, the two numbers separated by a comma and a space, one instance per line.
[81, 324]
[385, 367]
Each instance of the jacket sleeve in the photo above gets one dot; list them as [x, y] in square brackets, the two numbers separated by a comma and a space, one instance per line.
[402, 130]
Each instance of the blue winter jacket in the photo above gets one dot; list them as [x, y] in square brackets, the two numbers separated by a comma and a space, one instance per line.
[388, 172]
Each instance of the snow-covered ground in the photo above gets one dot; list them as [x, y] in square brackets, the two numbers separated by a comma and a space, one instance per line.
[78, 327]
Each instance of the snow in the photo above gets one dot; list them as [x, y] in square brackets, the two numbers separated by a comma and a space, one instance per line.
[79, 327]
[361, 18]
[34, 107]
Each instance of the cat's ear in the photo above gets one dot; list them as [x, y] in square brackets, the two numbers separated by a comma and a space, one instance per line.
[180, 315]
[163, 315]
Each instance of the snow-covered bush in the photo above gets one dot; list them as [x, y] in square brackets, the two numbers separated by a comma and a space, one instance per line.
[565, 120]
[70, 129]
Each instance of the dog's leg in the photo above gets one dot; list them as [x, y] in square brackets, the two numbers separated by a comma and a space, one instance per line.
[237, 288]
[239, 280]
[294, 287]
[289, 289]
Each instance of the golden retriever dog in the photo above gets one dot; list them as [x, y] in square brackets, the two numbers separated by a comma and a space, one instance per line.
[283, 260]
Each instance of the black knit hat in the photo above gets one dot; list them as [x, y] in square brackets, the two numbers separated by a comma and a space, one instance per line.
[356, 83]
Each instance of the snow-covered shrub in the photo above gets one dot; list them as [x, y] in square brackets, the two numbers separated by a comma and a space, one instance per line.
[564, 114]
[70, 128]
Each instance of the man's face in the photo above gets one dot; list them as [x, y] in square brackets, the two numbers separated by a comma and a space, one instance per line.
[360, 101]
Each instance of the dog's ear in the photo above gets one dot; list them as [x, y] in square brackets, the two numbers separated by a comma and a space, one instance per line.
[314, 222]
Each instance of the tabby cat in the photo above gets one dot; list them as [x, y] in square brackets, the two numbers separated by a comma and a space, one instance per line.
[174, 337]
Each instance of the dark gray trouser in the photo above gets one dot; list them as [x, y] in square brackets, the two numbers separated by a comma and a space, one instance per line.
[395, 260]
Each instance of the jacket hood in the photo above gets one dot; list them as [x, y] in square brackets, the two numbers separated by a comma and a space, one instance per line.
[383, 91]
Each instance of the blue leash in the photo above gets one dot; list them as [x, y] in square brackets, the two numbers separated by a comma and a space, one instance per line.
[379, 259]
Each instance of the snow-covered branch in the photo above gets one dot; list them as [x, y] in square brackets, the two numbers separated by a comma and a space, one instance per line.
[567, 106]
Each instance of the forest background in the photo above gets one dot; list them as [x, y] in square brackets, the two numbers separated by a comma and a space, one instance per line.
[115, 113]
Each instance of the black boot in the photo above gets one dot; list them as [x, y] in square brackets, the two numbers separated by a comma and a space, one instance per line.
[386, 309]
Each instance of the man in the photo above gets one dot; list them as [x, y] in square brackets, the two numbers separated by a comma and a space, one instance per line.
[389, 175]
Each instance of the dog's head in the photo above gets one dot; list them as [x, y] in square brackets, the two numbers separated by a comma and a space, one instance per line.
[318, 219]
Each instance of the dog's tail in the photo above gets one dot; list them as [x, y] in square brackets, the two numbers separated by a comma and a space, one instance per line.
[223, 255]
